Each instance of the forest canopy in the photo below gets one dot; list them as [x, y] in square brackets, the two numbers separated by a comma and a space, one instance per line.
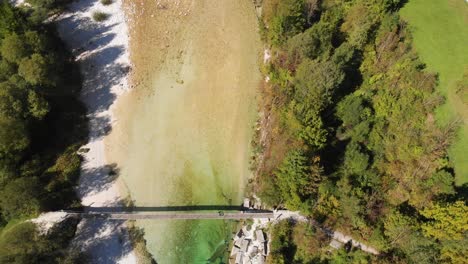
[354, 143]
[42, 125]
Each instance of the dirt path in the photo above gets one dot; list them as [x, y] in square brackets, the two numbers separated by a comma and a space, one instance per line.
[284, 214]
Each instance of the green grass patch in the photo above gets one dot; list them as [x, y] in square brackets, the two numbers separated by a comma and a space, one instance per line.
[11, 224]
[440, 32]
[99, 16]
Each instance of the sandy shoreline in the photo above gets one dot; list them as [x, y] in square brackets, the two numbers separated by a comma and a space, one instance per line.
[101, 48]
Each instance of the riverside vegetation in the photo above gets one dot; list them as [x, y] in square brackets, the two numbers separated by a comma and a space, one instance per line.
[352, 139]
[42, 126]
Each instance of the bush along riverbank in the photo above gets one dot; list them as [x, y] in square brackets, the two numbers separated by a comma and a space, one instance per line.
[350, 140]
[43, 124]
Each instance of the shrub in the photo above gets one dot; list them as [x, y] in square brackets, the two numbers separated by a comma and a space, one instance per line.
[106, 2]
[99, 16]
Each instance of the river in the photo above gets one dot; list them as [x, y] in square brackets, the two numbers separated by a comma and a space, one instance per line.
[182, 135]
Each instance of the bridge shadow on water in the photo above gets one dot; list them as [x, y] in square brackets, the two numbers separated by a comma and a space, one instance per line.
[180, 208]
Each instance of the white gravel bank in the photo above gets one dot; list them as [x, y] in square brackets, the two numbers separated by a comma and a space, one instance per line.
[101, 48]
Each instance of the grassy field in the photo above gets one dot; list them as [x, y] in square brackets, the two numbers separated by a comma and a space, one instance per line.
[440, 32]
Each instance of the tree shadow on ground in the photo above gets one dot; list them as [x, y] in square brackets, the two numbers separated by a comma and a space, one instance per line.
[96, 180]
[111, 240]
[98, 93]
[108, 238]
[100, 59]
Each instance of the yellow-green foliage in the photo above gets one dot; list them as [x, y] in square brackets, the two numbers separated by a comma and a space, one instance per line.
[448, 222]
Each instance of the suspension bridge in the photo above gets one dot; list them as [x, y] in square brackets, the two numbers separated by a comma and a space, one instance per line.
[172, 212]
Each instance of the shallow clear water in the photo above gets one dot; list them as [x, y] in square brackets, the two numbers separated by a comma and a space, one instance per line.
[183, 134]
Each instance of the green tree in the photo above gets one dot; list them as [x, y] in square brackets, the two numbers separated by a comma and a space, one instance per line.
[314, 133]
[454, 251]
[7, 171]
[38, 106]
[288, 19]
[399, 228]
[13, 48]
[355, 117]
[341, 256]
[440, 182]
[314, 86]
[404, 233]
[282, 246]
[316, 42]
[448, 222]
[10, 20]
[12, 101]
[356, 162]
[294, 181]
[7, 69]
[350, 109]
[36, 41]
[13, 138]
[20, 198]
[35, 69]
